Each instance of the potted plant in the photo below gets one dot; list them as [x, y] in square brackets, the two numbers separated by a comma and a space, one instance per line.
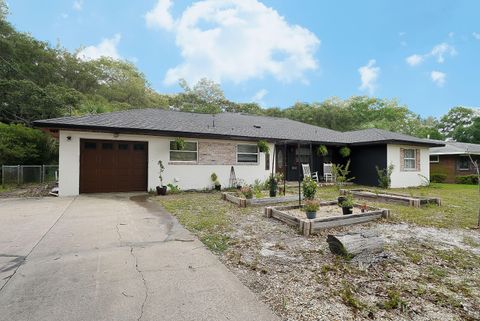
[346, 203]
[247, 191]
[309, 187]
[322, 150]
[272, 185]
[344, 151]
[311, 207]
[162, 189]
[215, 181]
[263, 146]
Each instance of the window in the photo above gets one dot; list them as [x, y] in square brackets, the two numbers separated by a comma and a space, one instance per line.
[304, 154]
[247, 154]
[90, 145]
[409, 159]
[107, 146]
[434, 159]
[138, 146]
[187, 154]
[463, 163]
[122, 146]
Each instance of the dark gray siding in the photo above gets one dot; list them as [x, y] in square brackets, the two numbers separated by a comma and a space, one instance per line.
[363, 162]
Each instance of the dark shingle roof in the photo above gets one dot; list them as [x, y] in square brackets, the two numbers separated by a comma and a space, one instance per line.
[380, 135]
[223, 124]
[456, 148]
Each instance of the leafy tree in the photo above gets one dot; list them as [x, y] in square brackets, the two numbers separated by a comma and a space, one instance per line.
[470, 134]
[22, 145]
[456, 118]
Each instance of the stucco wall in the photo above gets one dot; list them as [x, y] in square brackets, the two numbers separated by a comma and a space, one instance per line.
[186, 176]
[408, 178]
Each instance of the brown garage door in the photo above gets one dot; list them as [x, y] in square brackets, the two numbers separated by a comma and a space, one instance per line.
[112, 166]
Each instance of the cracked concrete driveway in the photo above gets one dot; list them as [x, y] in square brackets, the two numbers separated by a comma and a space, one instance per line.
[111, 257]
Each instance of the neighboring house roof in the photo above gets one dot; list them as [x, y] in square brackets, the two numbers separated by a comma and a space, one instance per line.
[226, 125]
[456, 148]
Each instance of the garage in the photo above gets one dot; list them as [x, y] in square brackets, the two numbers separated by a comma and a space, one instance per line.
[113, 166]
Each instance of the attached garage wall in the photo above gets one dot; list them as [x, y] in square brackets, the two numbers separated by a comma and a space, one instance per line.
[186, 175]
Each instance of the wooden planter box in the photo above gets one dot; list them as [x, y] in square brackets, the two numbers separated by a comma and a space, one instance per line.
[244, 202]
[315, 225]
[392, 197]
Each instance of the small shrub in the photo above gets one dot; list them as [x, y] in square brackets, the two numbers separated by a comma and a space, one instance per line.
[349, 299]
[345, 151]
[309, 188]
[272, 185]
[341, 173]
[385, 176]
[438, 177]
[173, 189]
[247, 191]
[394, 301]
[467, 179]
[311, 206]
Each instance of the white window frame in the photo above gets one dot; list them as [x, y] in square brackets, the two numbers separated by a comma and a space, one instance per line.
[468, 164]
[405, 168]
[183, 151]
[435, 161]
[257, 153]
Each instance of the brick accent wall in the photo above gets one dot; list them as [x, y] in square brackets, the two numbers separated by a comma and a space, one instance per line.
[217, 153]
[448, 165]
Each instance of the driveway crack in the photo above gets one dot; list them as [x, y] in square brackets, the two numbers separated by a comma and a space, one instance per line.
[144, 284]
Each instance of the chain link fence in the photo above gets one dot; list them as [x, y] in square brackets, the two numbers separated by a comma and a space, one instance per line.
[24, 174]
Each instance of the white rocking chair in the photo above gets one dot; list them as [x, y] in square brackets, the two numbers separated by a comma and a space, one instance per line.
[308, 173]
[328, 173]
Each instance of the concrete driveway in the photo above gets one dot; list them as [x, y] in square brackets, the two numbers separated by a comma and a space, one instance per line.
[111, 257]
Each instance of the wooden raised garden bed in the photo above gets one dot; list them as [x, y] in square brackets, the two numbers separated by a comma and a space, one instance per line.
[329, 215]
[392, 197]
[244, 202]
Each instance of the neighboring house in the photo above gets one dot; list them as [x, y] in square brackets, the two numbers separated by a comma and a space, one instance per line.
[452, 159]
[119, 151]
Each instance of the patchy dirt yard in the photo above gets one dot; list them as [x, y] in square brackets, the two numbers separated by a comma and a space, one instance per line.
[28, 190]
[425, 273]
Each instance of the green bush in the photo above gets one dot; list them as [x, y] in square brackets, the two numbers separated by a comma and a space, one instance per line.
[309, 188]
[467, 179]
[438, 177]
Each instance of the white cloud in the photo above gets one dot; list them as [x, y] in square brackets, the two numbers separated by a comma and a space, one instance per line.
[476, 35]
[64, 15]
[369, 76]
[78, 5]
[438, 78]
[159, 16]
[439, 52]
[236, 40]
[106, 48]
[414, 60]
[259, 95]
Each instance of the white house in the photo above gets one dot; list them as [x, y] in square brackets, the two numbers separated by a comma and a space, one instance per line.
[120, 151]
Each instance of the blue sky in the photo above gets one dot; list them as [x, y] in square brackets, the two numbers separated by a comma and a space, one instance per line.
[276, 52]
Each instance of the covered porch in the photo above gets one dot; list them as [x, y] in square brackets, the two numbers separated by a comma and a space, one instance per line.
[290, 155]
